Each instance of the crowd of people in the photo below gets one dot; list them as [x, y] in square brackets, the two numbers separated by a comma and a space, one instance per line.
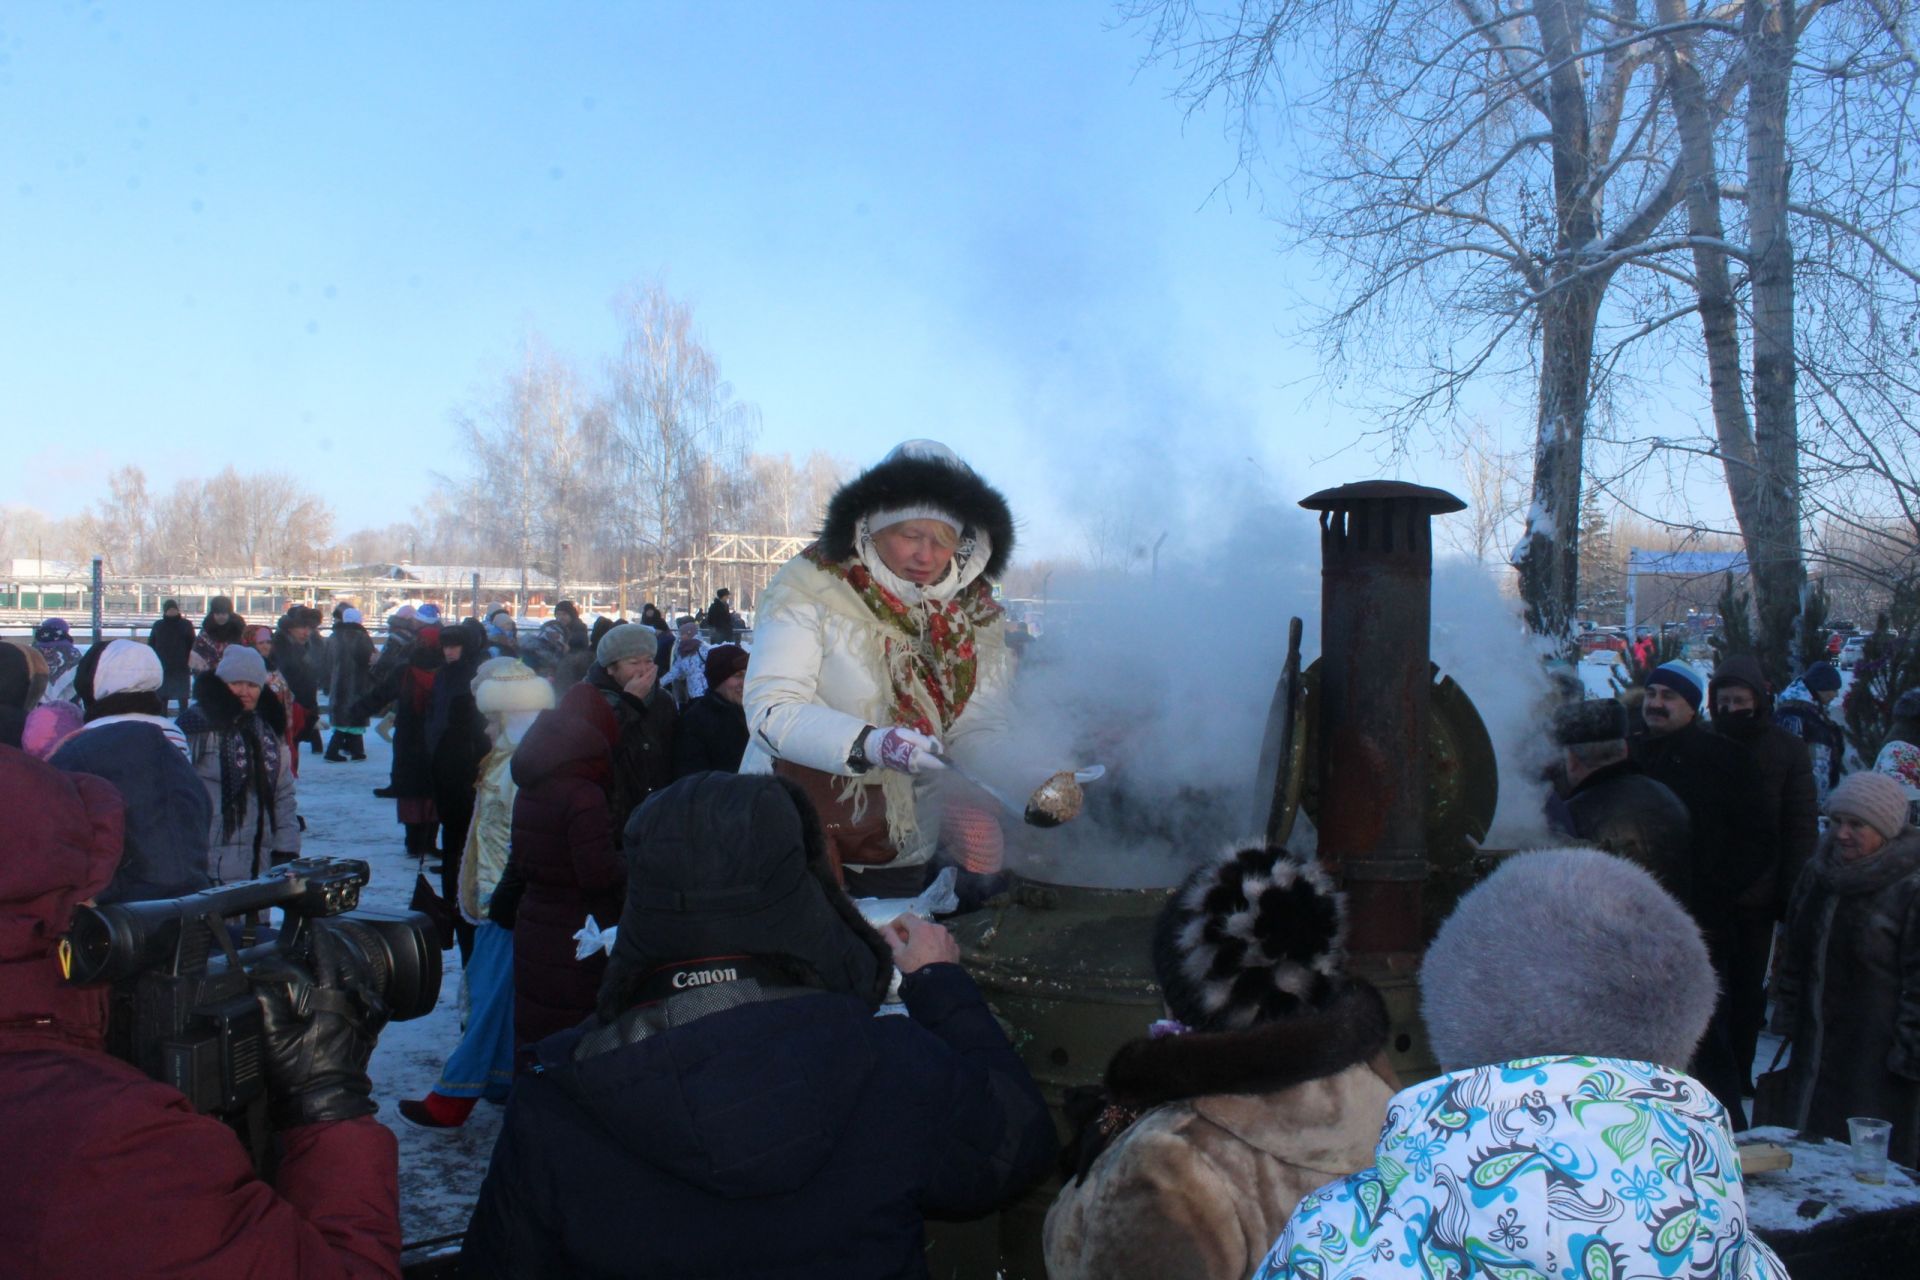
[1800, 873]
[747, 1077]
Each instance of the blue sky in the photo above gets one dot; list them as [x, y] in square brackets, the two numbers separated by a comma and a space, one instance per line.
[301, 235]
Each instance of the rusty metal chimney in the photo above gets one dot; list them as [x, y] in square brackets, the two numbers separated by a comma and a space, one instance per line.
[1376, 609]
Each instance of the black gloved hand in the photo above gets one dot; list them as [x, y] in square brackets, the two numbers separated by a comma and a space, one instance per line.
[320, 1030]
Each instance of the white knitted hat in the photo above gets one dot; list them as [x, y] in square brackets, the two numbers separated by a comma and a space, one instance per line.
[127, 666]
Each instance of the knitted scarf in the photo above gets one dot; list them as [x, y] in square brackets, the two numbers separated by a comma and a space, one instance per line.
[249, 762]
[931, 659]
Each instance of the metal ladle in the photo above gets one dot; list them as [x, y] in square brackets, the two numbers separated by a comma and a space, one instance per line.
[1030, 813]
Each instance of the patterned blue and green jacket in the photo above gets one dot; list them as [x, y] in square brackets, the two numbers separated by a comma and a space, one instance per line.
[1570, 1168]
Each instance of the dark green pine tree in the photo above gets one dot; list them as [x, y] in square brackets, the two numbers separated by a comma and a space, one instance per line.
[1735, 635]
[1601, 578]
[1888, 667]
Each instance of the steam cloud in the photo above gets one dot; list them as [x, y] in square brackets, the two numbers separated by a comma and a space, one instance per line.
[1167, 680]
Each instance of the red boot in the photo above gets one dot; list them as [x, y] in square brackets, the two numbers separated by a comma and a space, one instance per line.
[437, 1111]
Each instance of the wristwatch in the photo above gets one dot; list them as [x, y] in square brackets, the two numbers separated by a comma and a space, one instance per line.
[857, 756]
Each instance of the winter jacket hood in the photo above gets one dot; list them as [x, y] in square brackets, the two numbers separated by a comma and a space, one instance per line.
[66, 831]
[1743, 670]
[576, 737]
[228, 632]
[909, 481]
[16, 679]
[1548, 1167]
[727, 864]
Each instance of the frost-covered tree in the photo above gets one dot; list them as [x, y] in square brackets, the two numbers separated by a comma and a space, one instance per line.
[1574, 194]
[670, 437]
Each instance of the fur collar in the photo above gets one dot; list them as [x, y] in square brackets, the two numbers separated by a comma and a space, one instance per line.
[1897, 859]
[905, 482]
[216, 708]
[1263, 1059]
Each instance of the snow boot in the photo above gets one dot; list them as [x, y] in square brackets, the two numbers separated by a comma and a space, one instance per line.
[336, 748]
[437, 1111]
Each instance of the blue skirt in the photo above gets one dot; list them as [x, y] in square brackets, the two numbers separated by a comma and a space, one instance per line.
[483, 1064]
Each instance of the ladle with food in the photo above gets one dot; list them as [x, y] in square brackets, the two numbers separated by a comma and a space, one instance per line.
[1059, 799]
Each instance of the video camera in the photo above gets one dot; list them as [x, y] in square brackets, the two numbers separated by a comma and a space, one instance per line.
[183, 1008]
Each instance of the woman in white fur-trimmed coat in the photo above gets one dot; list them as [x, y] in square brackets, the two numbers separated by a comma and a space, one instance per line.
[880, 647]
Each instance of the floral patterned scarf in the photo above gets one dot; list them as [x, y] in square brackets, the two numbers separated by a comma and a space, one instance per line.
[931, 656]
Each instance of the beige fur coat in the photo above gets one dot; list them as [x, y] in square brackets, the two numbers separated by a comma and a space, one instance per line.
[1234, 1129]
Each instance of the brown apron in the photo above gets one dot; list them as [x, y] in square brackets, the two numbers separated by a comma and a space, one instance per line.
[849, 843]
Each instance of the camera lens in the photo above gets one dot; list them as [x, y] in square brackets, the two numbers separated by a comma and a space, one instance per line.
[395, 955]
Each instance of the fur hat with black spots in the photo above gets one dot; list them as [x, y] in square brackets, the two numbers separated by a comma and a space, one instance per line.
[921, 474]
[1255, 934]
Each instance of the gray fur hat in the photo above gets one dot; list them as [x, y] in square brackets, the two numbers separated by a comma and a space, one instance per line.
[1594, 720]
[627, 640]
[1567, 951]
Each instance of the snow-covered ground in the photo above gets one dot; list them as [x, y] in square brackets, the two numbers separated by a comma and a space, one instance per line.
[440, 1169]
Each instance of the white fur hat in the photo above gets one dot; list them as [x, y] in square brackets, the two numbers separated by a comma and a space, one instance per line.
[508, 684]
[126, 666]
[1567, 951]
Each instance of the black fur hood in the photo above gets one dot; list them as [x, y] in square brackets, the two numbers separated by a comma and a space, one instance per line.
[1276, 1055]
[907, 481]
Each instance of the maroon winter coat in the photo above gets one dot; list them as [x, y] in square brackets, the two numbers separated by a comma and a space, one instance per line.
[110, 1173]
[563, 848]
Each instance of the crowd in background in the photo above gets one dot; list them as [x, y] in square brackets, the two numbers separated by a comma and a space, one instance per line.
[746, 1076]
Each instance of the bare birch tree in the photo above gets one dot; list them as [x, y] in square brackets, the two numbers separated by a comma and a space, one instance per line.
[669, 433]
[531, 489]
[1550, 183]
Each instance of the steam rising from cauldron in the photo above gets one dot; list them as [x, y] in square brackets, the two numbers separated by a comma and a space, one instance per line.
[1166, 680]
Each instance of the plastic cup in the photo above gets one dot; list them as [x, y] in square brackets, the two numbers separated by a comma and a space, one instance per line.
[1869, 1138]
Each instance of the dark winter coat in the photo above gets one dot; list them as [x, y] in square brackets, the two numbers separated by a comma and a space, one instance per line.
[110, 1173]
[254, 822]
[720, 622]
[1850, 986]
[171, 640]
[1786, 768]
[1733, 832]
[294, 661]
[351, 657]
[1627, 813]
[643, 756]
[407, 687]
[1793, 811]
[563, 851]
[712, 734]
[578, 636]
[169, 815]
[457, 738]
[16, 693]
[794, 1136]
